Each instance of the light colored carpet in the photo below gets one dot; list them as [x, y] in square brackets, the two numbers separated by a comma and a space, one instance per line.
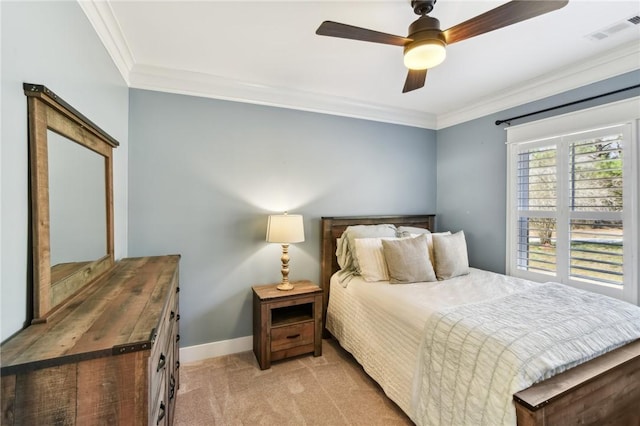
[328, 390]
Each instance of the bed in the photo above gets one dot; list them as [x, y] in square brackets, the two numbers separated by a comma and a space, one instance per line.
[394, 349]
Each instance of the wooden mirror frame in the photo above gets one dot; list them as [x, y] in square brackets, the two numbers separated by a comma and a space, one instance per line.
[47, 111]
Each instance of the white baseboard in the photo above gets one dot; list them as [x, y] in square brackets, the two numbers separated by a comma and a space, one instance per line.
[214, 349]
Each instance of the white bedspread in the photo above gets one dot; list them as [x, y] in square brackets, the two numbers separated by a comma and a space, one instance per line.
[475, 357]
[390, 330]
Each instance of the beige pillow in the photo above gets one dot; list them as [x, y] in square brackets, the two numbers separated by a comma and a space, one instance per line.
[345, 250]
[370, 257]
[450, 255]
[408, 260]
[430, 244]
[430, 241]
[411, 231]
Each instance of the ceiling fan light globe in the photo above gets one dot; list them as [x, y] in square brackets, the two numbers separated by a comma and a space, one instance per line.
[425, 54]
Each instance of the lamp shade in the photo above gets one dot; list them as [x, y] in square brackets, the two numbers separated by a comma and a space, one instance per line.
[425, 54]
[285, 229]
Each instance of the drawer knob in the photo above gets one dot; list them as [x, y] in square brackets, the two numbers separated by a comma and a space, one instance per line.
[161, 413]
[294, 336]
[161, 362]
[172, 315]
[177, 337]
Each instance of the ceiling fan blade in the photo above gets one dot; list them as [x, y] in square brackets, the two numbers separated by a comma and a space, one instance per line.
[415, 80]
[335, 29]
[509, 13]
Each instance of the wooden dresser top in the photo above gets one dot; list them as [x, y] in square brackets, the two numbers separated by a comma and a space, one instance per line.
[119, 312]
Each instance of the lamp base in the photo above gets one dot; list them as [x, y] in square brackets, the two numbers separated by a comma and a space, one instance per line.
[285, 286]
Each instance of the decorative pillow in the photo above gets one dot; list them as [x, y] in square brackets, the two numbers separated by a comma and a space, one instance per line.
[410, 231]
[450, 255]
[370, 257]
[408, 260]
[430, 244]
[345, 250]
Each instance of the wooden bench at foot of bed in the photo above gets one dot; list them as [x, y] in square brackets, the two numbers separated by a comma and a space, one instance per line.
[603, 391]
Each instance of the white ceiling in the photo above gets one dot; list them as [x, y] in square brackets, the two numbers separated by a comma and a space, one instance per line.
[267, 52]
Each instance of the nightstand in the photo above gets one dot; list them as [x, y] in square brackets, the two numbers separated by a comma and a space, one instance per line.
[286, 323]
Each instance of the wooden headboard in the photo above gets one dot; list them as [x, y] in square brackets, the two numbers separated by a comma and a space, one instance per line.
[332, 229]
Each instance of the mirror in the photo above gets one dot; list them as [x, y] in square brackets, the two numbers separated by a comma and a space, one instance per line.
[71, 200]
[77, 206]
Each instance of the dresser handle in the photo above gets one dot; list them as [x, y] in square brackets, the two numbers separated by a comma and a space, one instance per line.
[177, 364]
[295, 336]
[172, 386]
[172, 315]
[178, 317]
[177, 289]
[161, 362]
[161, 414]
[177, 338]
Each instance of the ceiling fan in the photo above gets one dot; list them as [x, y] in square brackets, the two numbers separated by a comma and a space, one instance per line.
[425, 46]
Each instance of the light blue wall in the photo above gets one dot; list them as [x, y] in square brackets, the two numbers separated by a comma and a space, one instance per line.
[204, 175]
[50, 43]
[472, 170]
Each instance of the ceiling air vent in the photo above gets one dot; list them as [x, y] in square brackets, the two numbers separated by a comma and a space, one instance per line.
[614, 28]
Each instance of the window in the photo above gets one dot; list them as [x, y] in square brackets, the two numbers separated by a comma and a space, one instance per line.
[573, 200]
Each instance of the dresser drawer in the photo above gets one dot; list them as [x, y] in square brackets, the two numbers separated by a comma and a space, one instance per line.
[158, 373]
[162, 351]
[291, 336]
[159, 407]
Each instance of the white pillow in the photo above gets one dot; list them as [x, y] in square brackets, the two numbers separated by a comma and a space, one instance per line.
[373, 266]
[450, 255]
[348, 260]
[406, 231]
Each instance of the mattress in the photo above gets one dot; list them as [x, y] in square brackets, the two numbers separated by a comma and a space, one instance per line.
[454, 352]
[382, 325]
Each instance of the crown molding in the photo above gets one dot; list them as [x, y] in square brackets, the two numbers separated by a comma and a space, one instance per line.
[618, 61]
[106, 25]
[150, 77]
[211, 86]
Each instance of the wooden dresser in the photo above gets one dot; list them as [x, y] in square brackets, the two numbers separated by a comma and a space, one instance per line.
[108, 357]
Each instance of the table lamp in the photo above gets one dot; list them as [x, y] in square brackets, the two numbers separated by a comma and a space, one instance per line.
[285, 229]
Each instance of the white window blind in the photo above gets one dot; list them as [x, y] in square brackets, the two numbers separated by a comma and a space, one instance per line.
[595, 198]
[537, 208]
[573, 200]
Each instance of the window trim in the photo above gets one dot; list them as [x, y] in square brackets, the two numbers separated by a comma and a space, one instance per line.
[542, 132]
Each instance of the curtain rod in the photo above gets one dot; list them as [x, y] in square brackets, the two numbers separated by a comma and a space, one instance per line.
[508, 120]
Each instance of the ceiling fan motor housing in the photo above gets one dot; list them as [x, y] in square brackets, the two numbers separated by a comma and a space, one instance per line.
[425, 26]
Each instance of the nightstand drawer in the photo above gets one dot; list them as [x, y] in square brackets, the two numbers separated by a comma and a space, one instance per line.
[292, 335]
